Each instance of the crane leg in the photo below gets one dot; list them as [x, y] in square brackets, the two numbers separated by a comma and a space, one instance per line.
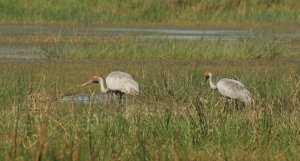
[120, 101]
[111, 97]
[239, 106]
[236, 105]
[225, 107]
[126, 100]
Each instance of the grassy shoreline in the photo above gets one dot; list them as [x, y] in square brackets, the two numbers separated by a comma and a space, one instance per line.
[89, 47]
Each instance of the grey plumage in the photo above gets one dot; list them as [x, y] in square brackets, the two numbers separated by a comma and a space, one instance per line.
[230, 88]
[117, 82]
[233, 89]
[123, 82]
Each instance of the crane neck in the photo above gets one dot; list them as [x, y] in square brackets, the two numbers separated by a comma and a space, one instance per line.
[102, 88]
[212, 85]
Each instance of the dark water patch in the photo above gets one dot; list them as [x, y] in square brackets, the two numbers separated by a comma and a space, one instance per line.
[103, 99]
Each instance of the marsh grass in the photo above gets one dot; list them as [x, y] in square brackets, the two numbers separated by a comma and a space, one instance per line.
[230, 12]
[248, 48]
[173, 118]
[126, 47]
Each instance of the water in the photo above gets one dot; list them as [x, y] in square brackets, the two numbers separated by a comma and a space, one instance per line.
[145, 32]
[20, 52]
[103, 98]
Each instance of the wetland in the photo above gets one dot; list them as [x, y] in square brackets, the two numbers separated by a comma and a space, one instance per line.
[174, 117]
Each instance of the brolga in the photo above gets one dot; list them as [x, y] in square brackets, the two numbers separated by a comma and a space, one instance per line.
[230, 89]
[117, 82]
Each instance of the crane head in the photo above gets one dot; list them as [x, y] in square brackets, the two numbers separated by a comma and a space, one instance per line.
[207, 74]
[94, 79]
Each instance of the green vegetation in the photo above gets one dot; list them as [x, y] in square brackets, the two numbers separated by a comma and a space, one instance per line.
[175, 49]
[85, 47]
[171, 12]
[173, 118]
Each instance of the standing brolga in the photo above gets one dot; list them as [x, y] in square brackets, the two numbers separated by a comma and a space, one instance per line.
[117, 82]
[230, 88]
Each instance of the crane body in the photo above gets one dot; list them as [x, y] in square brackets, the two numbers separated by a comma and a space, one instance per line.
[122, 82]
[117, 82]
[230, 88]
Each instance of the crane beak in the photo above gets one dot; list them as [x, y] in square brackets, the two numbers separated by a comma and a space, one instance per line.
[205, 81]
[95, 79]
[86, 84]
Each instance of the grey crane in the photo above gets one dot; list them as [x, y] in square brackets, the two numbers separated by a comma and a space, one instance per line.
[117, 82]
[230, 88]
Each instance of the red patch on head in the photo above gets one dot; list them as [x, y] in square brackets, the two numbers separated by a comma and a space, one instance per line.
[206, 74]
[95, 79]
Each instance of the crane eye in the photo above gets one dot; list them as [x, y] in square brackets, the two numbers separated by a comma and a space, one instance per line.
[95, 81]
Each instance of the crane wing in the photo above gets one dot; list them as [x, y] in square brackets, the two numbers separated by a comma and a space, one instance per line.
[123, 82]
[233, 89]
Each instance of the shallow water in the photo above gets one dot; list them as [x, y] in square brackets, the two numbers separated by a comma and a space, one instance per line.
[103, 98]
[147, 32]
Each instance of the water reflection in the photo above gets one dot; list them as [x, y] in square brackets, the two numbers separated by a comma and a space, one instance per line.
[146, 32]
[103, 99]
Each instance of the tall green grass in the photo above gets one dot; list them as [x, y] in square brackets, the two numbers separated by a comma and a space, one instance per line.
[173, 118]
[137, 48]
[279, 12]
